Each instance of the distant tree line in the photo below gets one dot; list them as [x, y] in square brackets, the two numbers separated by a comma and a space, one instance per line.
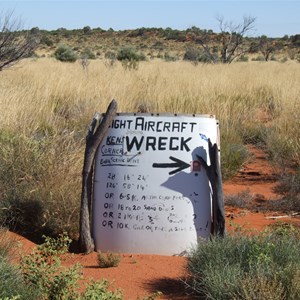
[232, 43]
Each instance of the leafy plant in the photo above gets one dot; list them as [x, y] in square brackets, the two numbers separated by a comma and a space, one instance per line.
[98, 290]
[153, 296]
[108, 260]
[12, 285]
[43, 271]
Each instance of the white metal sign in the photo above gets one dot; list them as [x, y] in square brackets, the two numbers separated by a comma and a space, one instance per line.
[151, 195]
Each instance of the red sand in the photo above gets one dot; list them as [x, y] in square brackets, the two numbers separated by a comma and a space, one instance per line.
[142, 275]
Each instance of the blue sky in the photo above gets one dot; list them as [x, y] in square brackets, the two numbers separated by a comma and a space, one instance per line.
[274, 18]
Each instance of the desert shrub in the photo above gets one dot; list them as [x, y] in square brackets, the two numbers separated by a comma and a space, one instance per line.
[243, 58]
[110, 55]
[238, 266]
[88, 53]
[43, 271]
[12, 285]
[110, 58]
[169, 57]
[98, 290]
[45, 40]
[193, 55]
[204, 58]
[65, 53]
[129, 53]
[289, 187]
[174, 34]
[242, 200]
[233, 155]
[129, 57]
[258, 58]
[108, 260]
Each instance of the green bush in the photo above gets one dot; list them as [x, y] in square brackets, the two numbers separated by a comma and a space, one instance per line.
[43, 272]
[12, 285]
[129, 53]
[88, 53]
[45, 40]
[243, 58]
[129, 57]
[243, 266]
[195, 56]
[258, 58]
[65, 53]
[98, 290]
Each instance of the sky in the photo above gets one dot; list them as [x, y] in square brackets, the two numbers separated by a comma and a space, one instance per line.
[274, 18]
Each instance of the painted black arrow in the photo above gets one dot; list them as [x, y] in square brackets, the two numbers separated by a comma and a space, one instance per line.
[178, 163]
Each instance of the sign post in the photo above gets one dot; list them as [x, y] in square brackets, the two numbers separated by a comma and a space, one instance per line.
[151, 193]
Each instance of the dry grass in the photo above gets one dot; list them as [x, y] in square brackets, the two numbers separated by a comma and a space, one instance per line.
[47, 105]
[46, 89]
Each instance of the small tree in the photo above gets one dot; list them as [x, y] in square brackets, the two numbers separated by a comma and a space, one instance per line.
[86, 29]
[231, 39]
[266, 47]
[14, 43]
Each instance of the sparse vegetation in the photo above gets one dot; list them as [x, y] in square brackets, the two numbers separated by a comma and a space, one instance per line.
[88, 54]
[43, 272]
[129, 57]
[241, 200]
[12, 285]
[243, 266]
[108, 260]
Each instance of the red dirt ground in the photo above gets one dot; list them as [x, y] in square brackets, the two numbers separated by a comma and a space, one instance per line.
[141, 275]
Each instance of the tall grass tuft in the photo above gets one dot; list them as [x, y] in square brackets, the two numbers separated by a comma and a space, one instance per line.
[242, 266]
